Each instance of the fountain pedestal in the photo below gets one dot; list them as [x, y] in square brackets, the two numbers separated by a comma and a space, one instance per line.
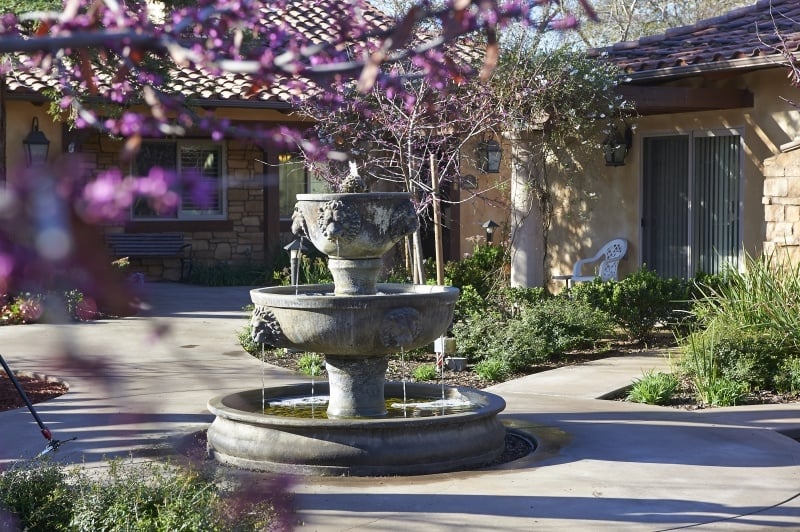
[356, 386]
[354, 277]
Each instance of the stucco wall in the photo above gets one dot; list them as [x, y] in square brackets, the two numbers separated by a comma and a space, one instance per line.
[19, 115]
[489, 200]
[600, 203]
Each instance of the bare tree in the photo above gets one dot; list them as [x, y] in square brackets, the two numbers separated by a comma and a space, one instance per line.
[628, 20]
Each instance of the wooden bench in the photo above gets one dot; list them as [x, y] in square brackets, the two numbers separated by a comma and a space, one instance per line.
[152, 245]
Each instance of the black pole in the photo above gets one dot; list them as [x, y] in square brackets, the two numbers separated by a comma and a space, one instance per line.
[45, 431]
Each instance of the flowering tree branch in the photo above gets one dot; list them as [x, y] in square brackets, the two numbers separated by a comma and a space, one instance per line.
[106, 54]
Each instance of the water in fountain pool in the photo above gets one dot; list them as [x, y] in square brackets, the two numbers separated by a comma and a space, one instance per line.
[313, 407]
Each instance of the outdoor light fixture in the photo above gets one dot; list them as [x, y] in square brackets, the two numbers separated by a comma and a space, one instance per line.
[617, 145]
[36, 145]
[284, 157]
[490, 225]
[489, 154]
[295, 248]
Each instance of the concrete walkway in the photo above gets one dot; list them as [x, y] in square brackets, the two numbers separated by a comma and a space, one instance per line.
[140, 384]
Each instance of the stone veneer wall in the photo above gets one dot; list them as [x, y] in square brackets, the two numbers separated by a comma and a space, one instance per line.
[782, 204]
[243, 238]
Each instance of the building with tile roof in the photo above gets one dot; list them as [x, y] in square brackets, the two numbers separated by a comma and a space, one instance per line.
[712, 171]
[249, 220]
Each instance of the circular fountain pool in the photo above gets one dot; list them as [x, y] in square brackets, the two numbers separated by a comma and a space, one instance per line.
[244, 437]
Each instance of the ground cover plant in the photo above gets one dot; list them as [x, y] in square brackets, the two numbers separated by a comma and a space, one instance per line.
[746, 338]
[742, 343]
[43, 496]
[502, 331]
[507, 332]
[654, 388]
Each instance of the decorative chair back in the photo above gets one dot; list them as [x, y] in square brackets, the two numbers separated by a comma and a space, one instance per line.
[611, 253]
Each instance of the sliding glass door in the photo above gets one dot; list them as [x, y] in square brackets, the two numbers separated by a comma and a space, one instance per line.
[691, 203]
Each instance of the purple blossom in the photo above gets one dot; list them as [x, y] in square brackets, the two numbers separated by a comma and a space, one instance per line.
[200, 189]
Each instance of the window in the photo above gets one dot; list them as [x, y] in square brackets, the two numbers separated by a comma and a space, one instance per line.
[190, 158]
[692, 187]
[294, 179]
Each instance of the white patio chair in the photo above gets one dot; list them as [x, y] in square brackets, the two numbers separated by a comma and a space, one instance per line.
[610, 254]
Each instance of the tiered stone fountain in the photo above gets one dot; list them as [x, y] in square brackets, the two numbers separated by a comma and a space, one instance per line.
[357, 323]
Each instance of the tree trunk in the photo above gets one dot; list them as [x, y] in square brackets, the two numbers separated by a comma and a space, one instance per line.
[528, 223]
[437, 224]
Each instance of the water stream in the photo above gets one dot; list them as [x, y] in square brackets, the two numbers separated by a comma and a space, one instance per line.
[403, 373]
[263, 369]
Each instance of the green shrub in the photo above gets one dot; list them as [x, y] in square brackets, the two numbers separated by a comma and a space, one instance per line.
[654, 388]
[750, 320]
[311, 364]
[145, 497]
[701, 364]
[476, 334]
[546, 331]
[638, 302]
[426, 372]
[22, 308]
[483, 270]
[37, 496]
[313, 269]
[747, 357]
[761, 298]
[245, 338]
[512, 300]
[492, 369]
[723, 392]
[787, 379]
[229, 274]
[507, 301]
[535, 334]
[469, 302]
[43, 496]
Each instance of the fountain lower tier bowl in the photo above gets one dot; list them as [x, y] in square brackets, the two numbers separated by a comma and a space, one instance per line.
[244, 437]
[311, 318]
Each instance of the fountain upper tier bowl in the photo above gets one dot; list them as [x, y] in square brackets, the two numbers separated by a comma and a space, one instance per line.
[311, 318]
[354, 225]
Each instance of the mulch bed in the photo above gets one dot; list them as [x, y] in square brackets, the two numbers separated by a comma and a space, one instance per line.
[37, 389]
[402, 367]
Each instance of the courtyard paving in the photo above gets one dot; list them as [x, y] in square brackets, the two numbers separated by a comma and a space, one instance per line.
[139, 385]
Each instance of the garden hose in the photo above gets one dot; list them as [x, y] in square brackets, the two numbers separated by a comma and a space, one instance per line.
[52, 445]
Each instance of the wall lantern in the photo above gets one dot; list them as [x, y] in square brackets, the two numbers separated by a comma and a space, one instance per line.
[489, 154]
[36, 145]
[295, 248]
[617, 145]
[284, 158]
[489, 225]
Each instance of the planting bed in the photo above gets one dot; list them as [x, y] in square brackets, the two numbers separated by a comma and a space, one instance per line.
[37, 390]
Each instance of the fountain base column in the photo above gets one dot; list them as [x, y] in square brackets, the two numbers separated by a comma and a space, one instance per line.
[356, 386]
[354, 276]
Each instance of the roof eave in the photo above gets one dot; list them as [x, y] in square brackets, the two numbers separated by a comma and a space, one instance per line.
[239, 104]
[668, 73]
[208, 103]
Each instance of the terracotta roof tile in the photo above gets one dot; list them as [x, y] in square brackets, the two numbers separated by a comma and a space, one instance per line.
[746, 32]
[312, 18]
